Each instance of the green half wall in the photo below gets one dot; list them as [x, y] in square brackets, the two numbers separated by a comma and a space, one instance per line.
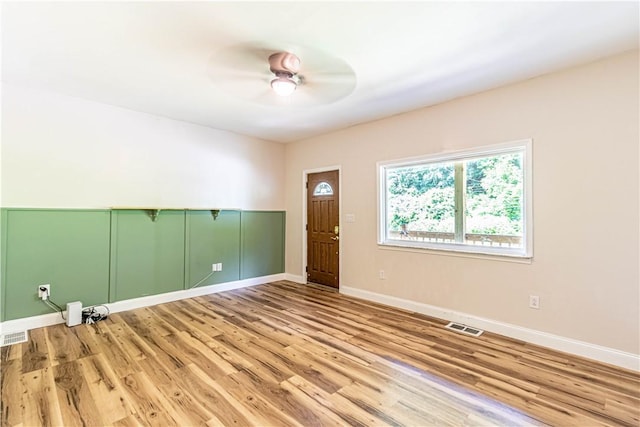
[99, 256]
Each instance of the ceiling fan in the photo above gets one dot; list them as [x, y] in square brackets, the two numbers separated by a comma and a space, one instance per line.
[285, 66]
[281, 76]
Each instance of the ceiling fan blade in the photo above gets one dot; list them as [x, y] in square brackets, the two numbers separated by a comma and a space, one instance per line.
[329, 90]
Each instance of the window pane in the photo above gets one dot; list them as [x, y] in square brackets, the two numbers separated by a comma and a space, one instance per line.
[475, 201]
[494, 201]
[420, 202]
[323, 189]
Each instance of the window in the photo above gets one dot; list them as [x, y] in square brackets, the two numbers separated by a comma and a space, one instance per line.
[323, 189]
[473, 201]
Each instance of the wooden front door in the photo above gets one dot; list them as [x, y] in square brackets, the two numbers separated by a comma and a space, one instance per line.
[323, 228]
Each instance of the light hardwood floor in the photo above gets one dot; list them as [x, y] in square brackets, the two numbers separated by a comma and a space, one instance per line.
[284, 354]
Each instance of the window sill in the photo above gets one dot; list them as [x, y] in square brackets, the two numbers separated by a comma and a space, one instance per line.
[460, 253]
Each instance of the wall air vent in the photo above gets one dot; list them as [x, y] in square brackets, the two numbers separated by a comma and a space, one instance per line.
[13, 338]
[459, 327]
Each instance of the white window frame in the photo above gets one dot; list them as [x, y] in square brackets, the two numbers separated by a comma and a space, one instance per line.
[524, 146]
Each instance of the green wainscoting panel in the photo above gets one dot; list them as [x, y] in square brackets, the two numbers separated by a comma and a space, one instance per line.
[100, 255]
[262, 237]
[147, 252]
[66, 248]
[212, 237]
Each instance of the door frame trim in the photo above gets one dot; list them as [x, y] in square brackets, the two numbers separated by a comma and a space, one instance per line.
[305, 174]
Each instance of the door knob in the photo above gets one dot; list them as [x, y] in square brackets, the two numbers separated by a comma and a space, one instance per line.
[335, 238]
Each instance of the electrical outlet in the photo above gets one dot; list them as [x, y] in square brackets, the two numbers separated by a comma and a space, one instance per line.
[214, 267]
[44, 291]
[382, 275]
[534, 302]
[219, 266]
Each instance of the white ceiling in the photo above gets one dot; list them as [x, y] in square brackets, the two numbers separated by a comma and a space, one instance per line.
[155, 57]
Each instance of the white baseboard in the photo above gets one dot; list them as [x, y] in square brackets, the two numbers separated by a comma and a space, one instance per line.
[43, 320]
[28, 323]
[294, 278]
[556, 342]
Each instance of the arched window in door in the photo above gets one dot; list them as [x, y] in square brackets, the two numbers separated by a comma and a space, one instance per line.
[323, 189]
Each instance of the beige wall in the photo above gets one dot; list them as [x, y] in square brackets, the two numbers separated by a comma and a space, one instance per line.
[64, 152]
[584, 126]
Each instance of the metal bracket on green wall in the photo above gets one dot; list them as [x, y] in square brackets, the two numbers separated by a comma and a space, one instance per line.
[215, 213]
[153, 214]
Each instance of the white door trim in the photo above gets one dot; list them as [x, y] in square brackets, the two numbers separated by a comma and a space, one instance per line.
[305, 173]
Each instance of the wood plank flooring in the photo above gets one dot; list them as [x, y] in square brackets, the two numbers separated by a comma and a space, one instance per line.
[283, 354]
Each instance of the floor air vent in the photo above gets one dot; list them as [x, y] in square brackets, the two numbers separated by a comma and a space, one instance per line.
[13, 338]
[459, 327]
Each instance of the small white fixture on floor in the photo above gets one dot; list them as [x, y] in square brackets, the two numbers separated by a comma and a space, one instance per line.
[74, 313]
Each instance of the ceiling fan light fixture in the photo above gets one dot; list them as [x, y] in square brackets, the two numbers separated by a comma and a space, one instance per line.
[283, 85]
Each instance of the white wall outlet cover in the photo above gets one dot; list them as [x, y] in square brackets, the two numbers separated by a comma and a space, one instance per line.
[46, 293]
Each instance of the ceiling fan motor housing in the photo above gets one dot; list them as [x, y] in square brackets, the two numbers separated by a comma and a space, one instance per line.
[284, 64]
